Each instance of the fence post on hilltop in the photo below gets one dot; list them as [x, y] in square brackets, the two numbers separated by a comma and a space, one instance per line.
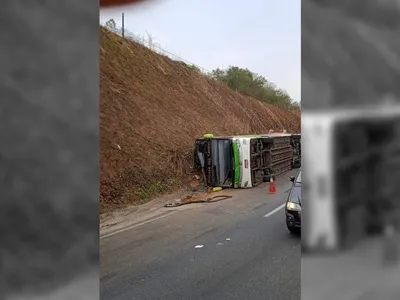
[123, 26]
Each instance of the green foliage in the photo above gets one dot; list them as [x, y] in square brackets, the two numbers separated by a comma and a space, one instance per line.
[149, 191]
[194, 67]
[251, 84]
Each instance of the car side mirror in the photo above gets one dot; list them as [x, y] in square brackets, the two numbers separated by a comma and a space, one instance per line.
[292, 178]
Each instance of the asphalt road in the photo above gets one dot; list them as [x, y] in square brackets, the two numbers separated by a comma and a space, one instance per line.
[234, 249]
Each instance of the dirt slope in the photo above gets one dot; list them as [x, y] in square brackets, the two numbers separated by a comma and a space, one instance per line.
[152, 109]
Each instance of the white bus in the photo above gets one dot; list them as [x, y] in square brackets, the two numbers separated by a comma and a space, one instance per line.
[243, 161]
[345, 162]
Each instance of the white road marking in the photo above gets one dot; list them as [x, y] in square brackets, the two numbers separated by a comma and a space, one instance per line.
[275, 210]
[199, 246]
[137, 225]
[228, 239]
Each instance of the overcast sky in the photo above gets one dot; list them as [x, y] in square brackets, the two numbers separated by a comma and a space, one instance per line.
[261, 35]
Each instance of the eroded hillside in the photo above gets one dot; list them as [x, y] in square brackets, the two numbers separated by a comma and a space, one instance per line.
[152, 109]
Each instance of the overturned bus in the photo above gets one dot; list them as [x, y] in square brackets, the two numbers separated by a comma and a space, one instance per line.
[243, 161]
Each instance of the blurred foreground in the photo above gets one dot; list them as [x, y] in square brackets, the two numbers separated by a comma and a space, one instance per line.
[350, 275]
[351, 176]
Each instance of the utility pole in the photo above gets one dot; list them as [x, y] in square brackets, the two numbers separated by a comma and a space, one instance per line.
[123, 25]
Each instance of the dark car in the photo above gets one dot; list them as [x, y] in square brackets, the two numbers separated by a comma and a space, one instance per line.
[293, 205]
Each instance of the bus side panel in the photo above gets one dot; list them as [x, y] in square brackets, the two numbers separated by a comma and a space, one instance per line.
[319, 221]
[236, 164]
[244, 149]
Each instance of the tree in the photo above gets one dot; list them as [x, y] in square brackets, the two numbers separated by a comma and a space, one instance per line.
[218, 74]
[110, 24]
[252, 84]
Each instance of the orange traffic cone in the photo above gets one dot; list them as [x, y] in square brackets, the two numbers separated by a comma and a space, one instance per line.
[272, 187]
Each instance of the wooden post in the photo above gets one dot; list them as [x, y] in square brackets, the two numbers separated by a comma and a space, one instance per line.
[123, 25]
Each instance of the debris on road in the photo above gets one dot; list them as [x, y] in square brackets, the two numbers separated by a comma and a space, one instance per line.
[197, 199]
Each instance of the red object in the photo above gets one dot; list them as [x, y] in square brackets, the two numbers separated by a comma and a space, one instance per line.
[272, 187]
[111, 3]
